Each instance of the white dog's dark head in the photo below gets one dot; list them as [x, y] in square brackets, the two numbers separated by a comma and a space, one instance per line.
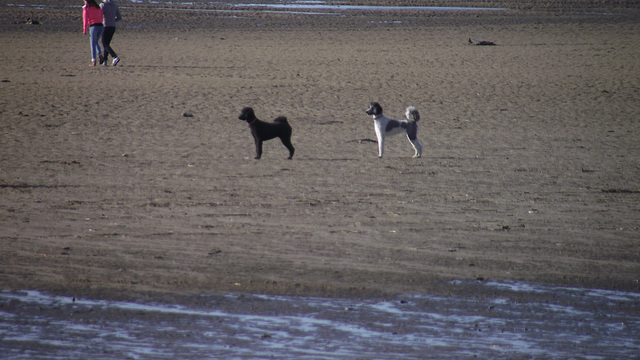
[374, 109]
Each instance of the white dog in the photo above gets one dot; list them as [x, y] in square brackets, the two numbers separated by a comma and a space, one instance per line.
[386, 127]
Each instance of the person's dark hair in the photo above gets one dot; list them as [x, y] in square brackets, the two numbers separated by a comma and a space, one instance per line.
[93, 3]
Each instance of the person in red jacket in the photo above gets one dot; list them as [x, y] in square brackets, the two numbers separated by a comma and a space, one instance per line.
[92, 21]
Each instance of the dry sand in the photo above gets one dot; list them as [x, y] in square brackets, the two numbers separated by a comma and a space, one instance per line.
[531, 166]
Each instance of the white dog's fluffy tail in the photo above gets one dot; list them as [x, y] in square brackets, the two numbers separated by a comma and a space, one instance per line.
[412, 113]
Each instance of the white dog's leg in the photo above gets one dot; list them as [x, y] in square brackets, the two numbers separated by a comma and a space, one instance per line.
[380, 146]
[380, 137]
[417, 146]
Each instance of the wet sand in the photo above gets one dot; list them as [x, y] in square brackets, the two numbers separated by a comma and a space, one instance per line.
[513, 323]
[530, 170]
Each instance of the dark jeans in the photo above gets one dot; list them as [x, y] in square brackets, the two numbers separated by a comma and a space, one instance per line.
[106, 41]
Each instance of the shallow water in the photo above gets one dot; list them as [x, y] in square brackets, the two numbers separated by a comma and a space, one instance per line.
[515, 321]
[321, 5]
[284, 6]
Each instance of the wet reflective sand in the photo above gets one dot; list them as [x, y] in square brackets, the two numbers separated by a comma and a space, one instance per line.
[508, 320]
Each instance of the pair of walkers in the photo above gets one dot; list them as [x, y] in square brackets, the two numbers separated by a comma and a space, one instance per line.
[100, 21]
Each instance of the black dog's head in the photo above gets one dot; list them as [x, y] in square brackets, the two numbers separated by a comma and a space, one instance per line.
[247, 115]
[374, 109]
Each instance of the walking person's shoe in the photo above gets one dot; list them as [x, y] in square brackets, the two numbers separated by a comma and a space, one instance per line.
[93, 63]
[116, 60]
[105, 62]
[102, 59]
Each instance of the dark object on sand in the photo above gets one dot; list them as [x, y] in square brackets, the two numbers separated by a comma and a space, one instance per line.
[29, 21]
[473, 41]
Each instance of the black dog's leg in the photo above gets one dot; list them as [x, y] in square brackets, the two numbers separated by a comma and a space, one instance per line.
[287, 143]
[258, 148]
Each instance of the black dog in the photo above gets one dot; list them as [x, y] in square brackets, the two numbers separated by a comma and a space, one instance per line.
[263, 131]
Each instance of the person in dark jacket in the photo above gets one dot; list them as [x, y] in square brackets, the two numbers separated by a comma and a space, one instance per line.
[112, 15]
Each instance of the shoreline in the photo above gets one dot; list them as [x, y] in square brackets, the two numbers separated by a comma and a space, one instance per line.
[205, 15]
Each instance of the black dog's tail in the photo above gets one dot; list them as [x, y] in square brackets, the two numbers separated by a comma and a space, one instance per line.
[412, 113]
[281, 120]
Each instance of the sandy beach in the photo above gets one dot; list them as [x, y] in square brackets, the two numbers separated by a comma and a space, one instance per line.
[530, 170]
